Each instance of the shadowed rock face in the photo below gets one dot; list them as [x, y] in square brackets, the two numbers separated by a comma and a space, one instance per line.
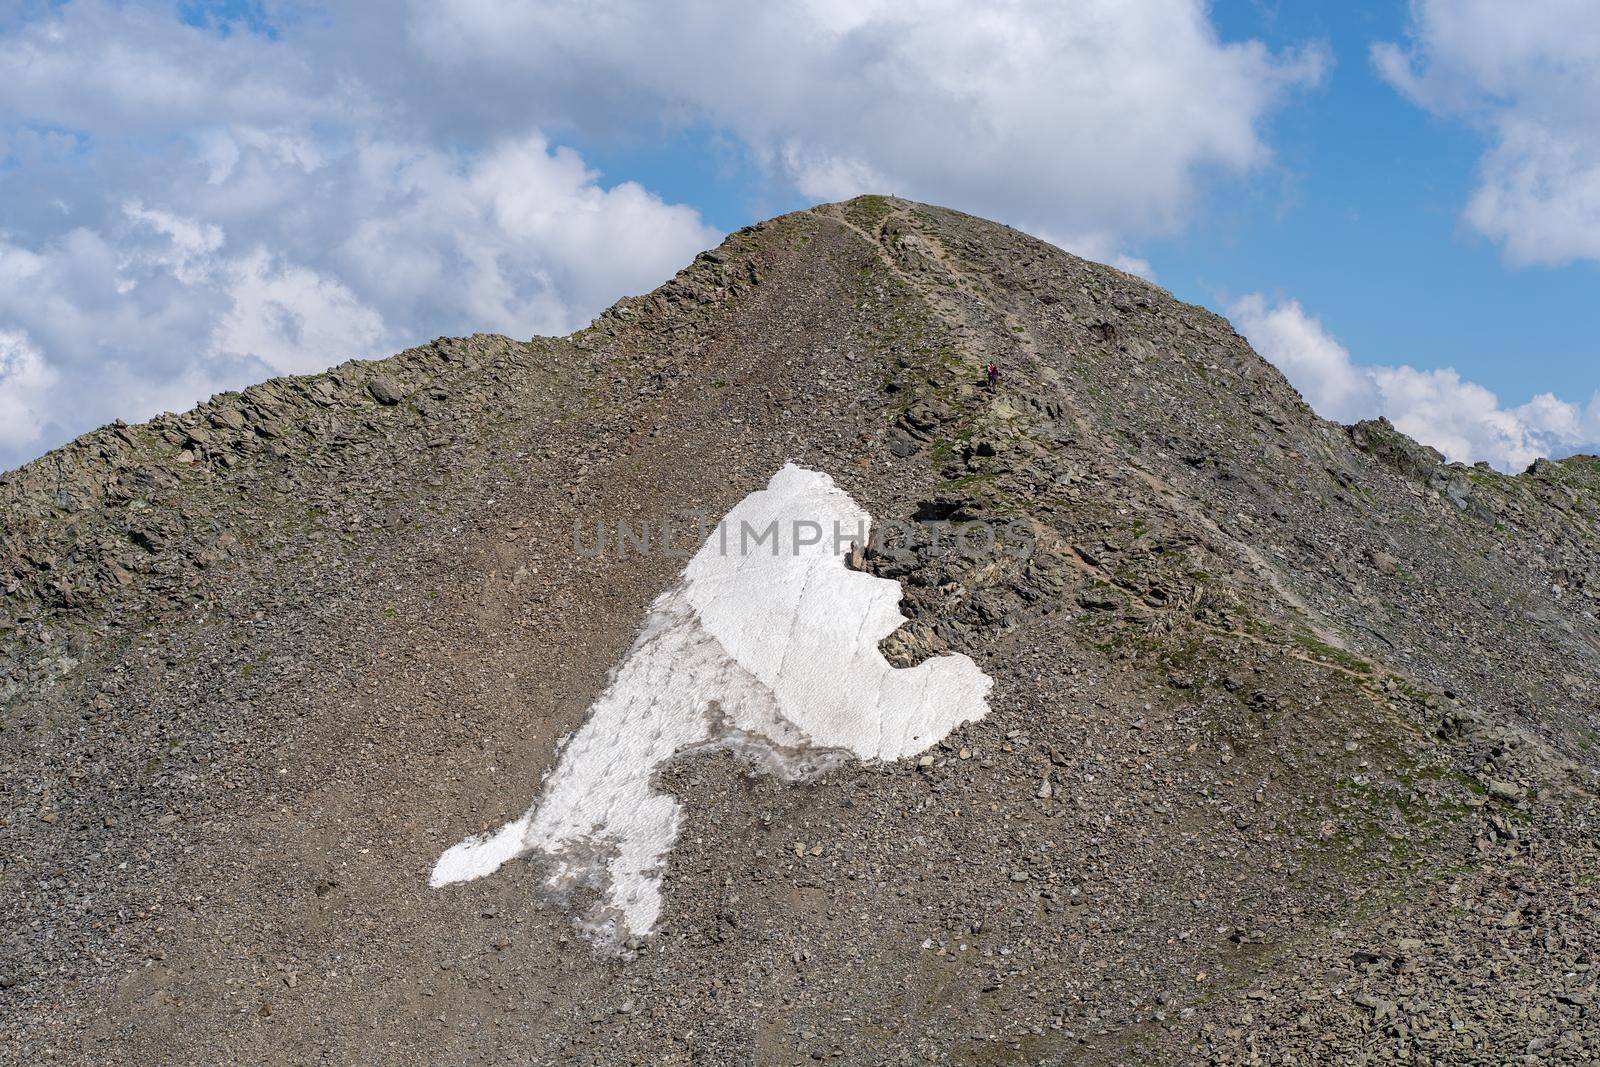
[1290, 748]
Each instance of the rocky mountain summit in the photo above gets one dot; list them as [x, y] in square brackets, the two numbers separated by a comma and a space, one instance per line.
[1290, 756]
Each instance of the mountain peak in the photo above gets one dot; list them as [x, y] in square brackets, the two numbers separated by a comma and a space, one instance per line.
[1275, 704]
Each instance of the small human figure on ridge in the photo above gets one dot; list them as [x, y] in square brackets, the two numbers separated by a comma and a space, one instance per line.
[994, 376]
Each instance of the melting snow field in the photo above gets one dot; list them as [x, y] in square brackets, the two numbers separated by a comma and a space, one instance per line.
[774, 644]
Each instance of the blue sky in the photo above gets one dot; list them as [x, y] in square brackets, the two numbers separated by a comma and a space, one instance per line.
[1398, 204]
[1366, 226]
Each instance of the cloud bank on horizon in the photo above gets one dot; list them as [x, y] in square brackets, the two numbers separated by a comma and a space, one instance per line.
[192, 201]
[1462, 419]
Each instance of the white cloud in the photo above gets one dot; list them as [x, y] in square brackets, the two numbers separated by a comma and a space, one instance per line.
[1528, 75]
[1460, 418]
[184, 210]
[215, 210]
[289, 317]
[1096, 118]
[1309, 357]
[1102, 249]
[188, 247]
[118, 69]
[189, 210]
[24, 381]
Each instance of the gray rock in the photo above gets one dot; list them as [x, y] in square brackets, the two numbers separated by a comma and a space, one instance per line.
[385, 390]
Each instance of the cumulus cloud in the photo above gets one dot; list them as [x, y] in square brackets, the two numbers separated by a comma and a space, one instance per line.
[1529, 77]
[1099, 119]
[186, 208]
[24, 379]
[184, 212]
[1316, 364]
[1460, 418]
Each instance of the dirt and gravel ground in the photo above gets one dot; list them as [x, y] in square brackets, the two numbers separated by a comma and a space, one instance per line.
[1291, 753]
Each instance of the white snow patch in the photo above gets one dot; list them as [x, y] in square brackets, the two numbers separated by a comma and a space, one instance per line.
[768, 646]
